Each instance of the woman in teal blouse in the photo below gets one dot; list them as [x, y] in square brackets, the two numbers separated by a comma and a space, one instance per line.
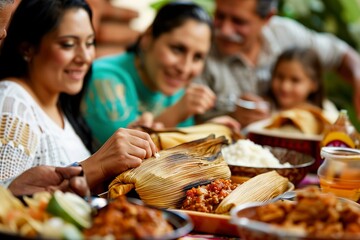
[154, 75]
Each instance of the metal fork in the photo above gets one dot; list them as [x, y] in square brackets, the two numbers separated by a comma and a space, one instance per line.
[290, 195]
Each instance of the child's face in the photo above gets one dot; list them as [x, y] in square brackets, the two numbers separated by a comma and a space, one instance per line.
[291, 85]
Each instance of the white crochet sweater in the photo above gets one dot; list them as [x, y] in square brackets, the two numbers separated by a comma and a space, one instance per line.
[28, 137]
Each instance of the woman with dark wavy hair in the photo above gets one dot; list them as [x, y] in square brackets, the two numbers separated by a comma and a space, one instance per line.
[44, 61]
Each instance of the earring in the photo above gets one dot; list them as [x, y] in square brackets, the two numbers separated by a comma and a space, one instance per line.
[26, 58]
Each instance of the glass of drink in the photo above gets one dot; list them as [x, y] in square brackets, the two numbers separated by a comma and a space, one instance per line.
[340, 172]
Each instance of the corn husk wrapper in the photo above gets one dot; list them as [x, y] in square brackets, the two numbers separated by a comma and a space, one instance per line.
[260, 188]
[307, 119]
[168, 138]
[163, 181]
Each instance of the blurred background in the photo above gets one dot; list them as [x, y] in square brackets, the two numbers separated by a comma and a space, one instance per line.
[340, 17]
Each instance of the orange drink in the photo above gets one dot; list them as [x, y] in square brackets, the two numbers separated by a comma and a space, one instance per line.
[340, 172]
[345, 189]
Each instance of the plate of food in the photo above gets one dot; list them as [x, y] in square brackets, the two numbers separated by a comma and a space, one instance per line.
[68, 216]
[209, 205]
[183, 174]
[311, 215]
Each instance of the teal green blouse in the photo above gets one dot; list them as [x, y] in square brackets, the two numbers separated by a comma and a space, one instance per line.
[116, 96]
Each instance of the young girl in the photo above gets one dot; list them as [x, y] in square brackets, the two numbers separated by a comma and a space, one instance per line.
[297, 81]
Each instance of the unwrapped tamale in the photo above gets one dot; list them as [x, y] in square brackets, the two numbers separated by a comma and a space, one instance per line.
[163, 181]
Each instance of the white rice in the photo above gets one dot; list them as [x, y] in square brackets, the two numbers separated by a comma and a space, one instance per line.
[246, 153]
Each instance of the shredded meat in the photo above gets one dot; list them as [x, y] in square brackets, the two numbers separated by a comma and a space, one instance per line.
[124, 220]
[315, 213]
[206, 198]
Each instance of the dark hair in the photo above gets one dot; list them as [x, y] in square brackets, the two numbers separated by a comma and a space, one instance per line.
[173, 15]
[310, 62]
[31, 21]
[265, 7]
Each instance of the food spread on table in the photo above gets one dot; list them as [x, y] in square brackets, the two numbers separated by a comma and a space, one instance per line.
[194, 176]
[221, 195]
[206, 198]
[123, 220]
[50, 216]
[163, 181]
[313, 214]
[68, 216]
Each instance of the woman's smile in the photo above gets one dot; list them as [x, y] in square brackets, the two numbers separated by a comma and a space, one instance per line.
[76, 74]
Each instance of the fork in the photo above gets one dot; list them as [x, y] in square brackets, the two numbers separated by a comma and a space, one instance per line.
[290, 195]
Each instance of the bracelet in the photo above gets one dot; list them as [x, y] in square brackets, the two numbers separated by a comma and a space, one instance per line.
[74, 164]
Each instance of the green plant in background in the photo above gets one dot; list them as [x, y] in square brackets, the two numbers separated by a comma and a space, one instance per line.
[206, 4]
[339, 17]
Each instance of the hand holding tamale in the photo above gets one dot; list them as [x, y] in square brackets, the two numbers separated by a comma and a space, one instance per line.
[163, 181]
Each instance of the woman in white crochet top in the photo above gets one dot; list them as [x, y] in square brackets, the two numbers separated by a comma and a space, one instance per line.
[43, 65]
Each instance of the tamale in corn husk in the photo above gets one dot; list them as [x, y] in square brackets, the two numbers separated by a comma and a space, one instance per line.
[260, 188]
[163, 181]
[167, 138]
[306, 119]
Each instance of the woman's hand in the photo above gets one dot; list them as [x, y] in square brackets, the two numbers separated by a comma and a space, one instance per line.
[125, 149]
[247, 115]
[197, 100]
[47, 178]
